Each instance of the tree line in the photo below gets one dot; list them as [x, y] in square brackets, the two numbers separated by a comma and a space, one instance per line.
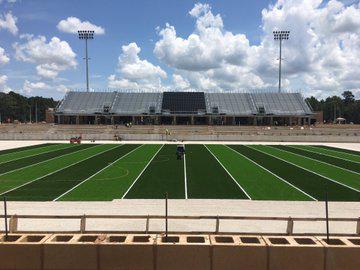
[335, 107]
[14, 106]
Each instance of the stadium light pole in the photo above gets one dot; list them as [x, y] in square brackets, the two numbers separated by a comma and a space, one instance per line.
[280, 36]
[86, 34]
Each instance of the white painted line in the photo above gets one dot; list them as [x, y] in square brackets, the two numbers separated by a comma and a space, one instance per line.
[99, 171]
[294, 146]
[335, 151]
[243, 190]
[137, 178]
[323, 176]
[314, 159]
[185, 177]
[39, 178]
[56, 149]
[28, 166]
[338, 150]
[277, 176]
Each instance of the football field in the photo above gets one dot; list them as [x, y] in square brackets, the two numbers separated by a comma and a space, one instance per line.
[103, 172]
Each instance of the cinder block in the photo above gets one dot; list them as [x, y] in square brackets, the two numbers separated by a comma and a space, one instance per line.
[183, 252]
[294, 253]
[69, 251]
[21, 251]
[238, 252]
[127, 252]
[342, 252]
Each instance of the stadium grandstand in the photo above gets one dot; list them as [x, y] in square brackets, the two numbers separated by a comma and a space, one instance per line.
[183, 108]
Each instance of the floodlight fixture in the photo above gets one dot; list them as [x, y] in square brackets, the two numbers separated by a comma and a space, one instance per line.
[86, 34]
[280, 36]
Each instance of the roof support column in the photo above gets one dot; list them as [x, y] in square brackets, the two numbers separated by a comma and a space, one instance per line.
[271, 121]
[192, 121]
[174, 120]
[254, 121]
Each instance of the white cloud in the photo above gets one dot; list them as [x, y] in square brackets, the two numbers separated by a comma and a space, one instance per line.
[4, 59]
[321, 55]
[3, 86]
[29, 87]
[135, 73]
[73, 24]
[50, 57]
[8, 22]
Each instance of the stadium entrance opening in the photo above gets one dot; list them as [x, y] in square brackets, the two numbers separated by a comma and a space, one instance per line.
[180, 151]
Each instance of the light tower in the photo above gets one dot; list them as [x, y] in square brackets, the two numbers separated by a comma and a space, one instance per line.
[280, 35]
[86, 34]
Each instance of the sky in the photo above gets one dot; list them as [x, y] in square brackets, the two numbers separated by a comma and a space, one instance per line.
[179, 45]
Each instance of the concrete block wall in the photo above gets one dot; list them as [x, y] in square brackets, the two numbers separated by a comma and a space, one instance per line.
[157, 252]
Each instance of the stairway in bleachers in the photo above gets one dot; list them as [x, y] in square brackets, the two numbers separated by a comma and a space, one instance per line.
[183, 102]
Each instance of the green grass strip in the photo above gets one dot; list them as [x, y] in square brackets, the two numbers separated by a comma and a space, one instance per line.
[255, 180]
[14, 179]
[31, 152]
[206, 178]
[54, 185]
[20, 150]
[298, 149]
[342, 176]
[310, 183]
[332, 153]
[164, 174]
[352, 152]
[113, 182]
[62, 149]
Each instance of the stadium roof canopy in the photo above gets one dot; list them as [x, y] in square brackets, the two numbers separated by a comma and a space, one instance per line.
[189, 103]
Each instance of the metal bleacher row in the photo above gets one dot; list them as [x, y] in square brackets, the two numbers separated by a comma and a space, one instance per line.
[136, 103]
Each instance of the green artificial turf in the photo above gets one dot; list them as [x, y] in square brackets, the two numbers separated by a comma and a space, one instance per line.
[352, 152]
[14, 179]
[310, 183]
[27, 161]
[335, 173]
[113, 182]
[54, 185]
[332, 153]
[23, 150]
[297, 149]
[164, 174]
[255, 180]
[206, 178]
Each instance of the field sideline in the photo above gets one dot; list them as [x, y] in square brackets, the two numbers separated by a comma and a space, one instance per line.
[103, 172]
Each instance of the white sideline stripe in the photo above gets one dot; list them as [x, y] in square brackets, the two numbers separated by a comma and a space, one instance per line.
[272, 173]
[1, 163]
[82, 182]
[335, 151]
[228, 172]
[323, 176]
[137, 178]
[39, 178]
[185, 177]
[314, 159]
[305, 149]
[28, 166]
[338, 150]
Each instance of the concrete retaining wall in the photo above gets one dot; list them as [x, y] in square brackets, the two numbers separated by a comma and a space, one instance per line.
[189, 137]
[120, 251]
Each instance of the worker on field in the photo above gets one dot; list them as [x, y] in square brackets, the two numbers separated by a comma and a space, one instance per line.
[180, 151]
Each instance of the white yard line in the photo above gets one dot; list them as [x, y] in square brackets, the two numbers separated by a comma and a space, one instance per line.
[34, 154]
[277, 176]
[185, 177]
[28, 166]
[323, 154]
[332, 180]
[314, 159]
[333, 150]
[137, 178]
[243, 190]
[39, 178]
[82, 182]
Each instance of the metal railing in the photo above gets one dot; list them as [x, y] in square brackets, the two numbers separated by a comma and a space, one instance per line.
[290, 222]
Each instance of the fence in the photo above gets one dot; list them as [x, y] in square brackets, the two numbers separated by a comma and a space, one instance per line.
[289, 221]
